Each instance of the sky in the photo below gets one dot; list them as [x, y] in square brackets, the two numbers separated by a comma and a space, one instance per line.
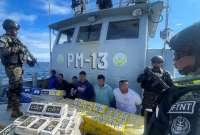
[33, 16]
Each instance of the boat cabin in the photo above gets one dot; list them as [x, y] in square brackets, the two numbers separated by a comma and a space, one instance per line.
[113, 42]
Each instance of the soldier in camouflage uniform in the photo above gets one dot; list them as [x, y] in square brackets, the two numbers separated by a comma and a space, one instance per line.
[178, 108]
[13, 55]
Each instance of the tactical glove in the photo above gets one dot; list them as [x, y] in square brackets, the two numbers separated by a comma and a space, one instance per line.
[32, 62]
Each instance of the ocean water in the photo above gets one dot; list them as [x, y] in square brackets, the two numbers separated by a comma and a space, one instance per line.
[42, 70]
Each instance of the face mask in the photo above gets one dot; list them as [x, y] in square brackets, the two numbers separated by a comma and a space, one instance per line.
[12, 33]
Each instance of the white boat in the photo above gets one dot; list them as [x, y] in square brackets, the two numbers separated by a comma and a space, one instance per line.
[112, 41]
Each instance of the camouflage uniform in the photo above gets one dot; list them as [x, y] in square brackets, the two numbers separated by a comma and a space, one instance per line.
[13, 54]
[14, 74]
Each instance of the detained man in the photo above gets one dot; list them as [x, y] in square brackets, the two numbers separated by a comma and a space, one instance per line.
[85, 90]
[72, 88]
[103, 92]
[52, 79]
[126, 99]
[61, 83]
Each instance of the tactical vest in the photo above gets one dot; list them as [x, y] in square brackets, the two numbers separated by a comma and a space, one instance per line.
[177, 112]
[184, 115]
[152, 92]
[11, 58]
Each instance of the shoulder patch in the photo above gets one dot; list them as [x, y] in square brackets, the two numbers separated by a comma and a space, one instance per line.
[183, 107]
[180, 126]
[5, 39]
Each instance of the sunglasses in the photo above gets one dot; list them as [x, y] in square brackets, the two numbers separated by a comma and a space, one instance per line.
[181, 53]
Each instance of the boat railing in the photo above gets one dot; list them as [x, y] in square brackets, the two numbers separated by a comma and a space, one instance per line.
[121, 3]
[92, 6]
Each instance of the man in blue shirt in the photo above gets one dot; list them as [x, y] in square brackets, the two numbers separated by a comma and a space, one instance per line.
[52, 79]
[103, 92]
[85, 90]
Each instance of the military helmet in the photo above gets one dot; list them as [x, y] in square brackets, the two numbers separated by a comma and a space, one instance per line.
[157, 59]
[10, 25]
[187, 43]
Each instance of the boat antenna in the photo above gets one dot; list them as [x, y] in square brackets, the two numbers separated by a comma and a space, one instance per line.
[166, 32]
[50, 40]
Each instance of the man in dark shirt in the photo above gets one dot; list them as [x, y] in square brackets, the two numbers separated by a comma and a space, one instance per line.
[61, 84]
[85, 90]
[72, 90]
[104, 4]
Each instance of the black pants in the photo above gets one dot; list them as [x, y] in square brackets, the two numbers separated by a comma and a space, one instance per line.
[147, 117]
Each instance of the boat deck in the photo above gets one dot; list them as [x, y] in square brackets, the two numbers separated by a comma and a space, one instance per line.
[5, 115]
[5, 119]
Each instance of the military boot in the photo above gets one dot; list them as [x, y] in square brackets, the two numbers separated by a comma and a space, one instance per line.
[16, 113]
[9, 95]
[15, 107]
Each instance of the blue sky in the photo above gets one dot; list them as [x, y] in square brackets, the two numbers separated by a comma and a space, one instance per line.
[33, 18]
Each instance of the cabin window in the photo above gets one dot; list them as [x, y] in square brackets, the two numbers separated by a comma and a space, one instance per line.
[89, 33]
[66, 36]
[127, 29]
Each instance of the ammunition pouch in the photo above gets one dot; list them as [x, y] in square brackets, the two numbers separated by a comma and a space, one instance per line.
[12, 59]
[31, 63]
[3, 60]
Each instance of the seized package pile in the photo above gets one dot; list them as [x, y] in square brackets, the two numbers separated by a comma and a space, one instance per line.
[101, 120]
[48, 119]
[39, 91]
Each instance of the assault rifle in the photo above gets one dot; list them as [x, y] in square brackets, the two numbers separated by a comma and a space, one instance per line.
[157, 79]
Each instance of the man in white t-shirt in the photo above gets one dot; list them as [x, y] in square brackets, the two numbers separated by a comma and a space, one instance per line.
[126, 99]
